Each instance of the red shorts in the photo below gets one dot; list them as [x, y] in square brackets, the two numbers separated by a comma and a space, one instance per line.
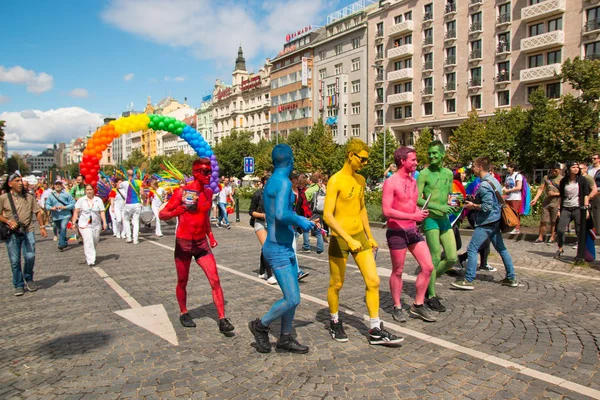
[195, 248]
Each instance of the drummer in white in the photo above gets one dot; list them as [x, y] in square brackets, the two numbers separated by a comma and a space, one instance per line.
[117, 203]
[89, 211]
[156, 200]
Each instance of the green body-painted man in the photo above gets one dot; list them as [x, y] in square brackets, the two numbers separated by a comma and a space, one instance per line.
[436, 181]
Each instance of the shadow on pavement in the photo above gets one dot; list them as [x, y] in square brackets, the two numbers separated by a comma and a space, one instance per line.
[76, 344]
[47, 283]
[100, 259]
[206, 310]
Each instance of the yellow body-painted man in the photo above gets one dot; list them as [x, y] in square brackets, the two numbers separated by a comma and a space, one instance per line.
[346, 215]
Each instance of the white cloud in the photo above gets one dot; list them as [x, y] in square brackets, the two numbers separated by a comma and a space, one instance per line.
[33, 131]
[36, 83]
[4, 99]
[79, 93]
[215, 29]
[176, 79]
[128, 77]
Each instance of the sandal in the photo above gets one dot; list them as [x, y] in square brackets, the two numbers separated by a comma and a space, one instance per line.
[558, 254]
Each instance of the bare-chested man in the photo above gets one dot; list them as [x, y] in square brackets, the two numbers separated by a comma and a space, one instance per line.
[399, 204]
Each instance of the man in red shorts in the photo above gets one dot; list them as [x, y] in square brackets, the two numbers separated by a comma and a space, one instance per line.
[191, 204]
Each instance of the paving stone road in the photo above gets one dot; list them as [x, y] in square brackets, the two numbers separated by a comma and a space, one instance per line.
[540, 340]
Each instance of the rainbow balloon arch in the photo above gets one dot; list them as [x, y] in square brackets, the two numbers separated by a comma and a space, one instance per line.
[97, 144]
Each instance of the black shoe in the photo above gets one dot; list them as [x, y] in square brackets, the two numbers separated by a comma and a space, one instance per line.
[421, 312]
[336, 329]
[225, 325]
[31, 286]
[19, 291]
[261, 334]
[398, 315]
[62, 248]
[381, 336]
[434, 304]
[289, 343]
[559, 253]
[187, 321]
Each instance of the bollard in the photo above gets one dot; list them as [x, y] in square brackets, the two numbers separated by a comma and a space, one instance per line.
[581, 237]
[237, 209]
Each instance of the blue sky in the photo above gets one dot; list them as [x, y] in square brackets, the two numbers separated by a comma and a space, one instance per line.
[66, 64]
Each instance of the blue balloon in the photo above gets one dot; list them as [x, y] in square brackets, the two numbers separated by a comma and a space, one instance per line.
[209, 153]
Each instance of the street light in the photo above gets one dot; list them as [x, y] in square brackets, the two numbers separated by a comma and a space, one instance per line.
[378, 68]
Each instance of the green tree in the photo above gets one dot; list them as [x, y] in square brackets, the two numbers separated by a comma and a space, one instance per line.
[20, 164]
[231, 150]
[376, 166]
[468, 141]
[135, 159]
[501, 135]
[72, 170]
[321, 148]
[422, 145]
[298, 141]
[583, 75]
[262, 157]
[182, 161]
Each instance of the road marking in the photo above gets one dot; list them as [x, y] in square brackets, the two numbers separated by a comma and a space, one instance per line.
[542, 376]
[153, 318]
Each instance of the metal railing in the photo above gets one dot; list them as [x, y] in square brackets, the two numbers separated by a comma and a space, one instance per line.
[378, 100]
[428, 41]
[593, 56]
[475, 27]
[503, 77]
[379, 77]
[503, 18]
[503, 47]
[450, 8]
[450, 60]
[592, 25]
[475, 55]
[475, 82]
[428, 65]
[450, 86]
[428, 16]
[379, 121]
[379, 33]
[451, 34]
[379, 55]
[428, 90]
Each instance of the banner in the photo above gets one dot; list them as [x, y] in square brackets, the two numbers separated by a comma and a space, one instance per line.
[304, 71]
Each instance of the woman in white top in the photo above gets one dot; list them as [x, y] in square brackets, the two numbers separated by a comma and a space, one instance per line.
[156, 202]
[92, 218]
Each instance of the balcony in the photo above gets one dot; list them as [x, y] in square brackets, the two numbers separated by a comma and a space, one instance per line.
[428, 66]
[379, 122]
[427, 91]
[475, 56]
[450, 9]
[379, 77]
[543, 41]
[475, 28]
[474, 83]
[544, 9]
[400, 28]
[428, 17]
[379, 34]
[379, 56]
[399, 75]
[450, 87]
[475, 3]
[503, 19]
[592, 56]
[542, 73]
[400, 51]
[428, 41]
[503, 48]
[592, 26]
[450, 61]
[378, 100]
[450, 35]
[399, 98]
[503, 77]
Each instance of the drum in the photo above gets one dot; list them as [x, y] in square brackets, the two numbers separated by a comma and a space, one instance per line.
[146, 216]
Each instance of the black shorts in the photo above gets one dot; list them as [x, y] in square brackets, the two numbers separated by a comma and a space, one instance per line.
[399, 239]
[195, 248]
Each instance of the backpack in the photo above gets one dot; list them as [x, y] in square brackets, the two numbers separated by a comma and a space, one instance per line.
[525, 197]
[318, 202]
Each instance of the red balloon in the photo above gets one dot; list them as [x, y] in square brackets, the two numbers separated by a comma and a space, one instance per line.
[83, 171]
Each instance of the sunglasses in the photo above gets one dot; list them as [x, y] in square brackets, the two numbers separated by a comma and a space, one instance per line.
[204, 171]
[363, 160]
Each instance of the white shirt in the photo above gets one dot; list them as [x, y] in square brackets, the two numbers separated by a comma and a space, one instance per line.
[44, 197]
[225, 191]
[89, 210]
[158, 198]
[511, 183]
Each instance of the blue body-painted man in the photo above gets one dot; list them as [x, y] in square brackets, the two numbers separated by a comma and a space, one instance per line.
[278, 201]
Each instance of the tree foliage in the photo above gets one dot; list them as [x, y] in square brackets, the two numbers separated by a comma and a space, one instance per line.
[231, 150]
[135, 159]
[376, 166]
[583, 75]
[468, 141]
[422, 145]
[2, 126]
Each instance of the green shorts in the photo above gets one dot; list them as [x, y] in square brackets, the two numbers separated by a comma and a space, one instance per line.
[441, 224]
[338, 247]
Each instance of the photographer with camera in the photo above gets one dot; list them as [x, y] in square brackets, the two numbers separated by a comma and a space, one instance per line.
[17, 209]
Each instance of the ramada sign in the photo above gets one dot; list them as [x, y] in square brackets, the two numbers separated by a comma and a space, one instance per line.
[251, 83]
[288, 106]
[294, 35]
[223, 93]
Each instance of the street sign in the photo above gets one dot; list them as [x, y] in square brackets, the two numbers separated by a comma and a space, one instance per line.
[248, 165]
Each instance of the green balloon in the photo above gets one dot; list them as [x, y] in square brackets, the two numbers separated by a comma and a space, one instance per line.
[179, 131]
[171, 128]
[151, 124]
[161, 125]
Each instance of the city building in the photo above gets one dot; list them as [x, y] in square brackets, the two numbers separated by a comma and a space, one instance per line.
[168, 143]
[341, 72]
[61, 155]
[75, 149]
[43, 161]
[108, 156]
[130, 141]
[437, 61]
[245, 104]
[204, 119]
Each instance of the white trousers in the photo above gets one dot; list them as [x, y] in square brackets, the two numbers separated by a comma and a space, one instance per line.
[131, 216]
[158, 231]
[91, 237]
[117, 216]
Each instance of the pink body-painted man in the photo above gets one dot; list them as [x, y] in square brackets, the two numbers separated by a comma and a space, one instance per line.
[400, 208]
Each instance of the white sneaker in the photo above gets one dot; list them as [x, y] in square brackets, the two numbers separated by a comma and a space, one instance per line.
[515, 232]
[272, 280]
[55, 238]
[128, 240]
[136, 241]
[262, 276]
[118, 236]
[575, 247]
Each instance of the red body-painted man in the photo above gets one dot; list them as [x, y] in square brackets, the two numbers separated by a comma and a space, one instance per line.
[191, 204]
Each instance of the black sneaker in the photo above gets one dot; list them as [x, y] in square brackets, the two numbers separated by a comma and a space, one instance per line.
[336, 329]
[62, 248]
[381, 336]
[225, 325]
[302, 274]
[187, 321]
[261, 334]
[290, 344]
[510, 282]
[538, 241]
[488, 268]
[398, 315]
[228, 226]
[421, 312]
[19, 291]
[31, 286]
[434, 304]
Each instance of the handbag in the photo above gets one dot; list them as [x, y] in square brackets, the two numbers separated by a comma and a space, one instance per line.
[5, 231]
[508, 217]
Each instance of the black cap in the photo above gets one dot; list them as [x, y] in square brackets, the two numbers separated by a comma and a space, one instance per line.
[556, 166]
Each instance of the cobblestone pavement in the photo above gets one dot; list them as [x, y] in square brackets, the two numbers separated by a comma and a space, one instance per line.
[65, 341]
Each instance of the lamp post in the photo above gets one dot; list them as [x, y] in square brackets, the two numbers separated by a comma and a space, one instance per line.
[380, 68]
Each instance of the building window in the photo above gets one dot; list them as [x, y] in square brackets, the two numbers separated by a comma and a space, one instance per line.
[476, 102]
[428, 61]
[345, 130]
[322, 55]
[408, 63]
[356, 86]
[428, 108]
[451, 30]
[345, 109]
[503, 98]
[451, 105]
[355, 43]
[553, 57]
[355, 130]
[355, 108]
[338, 49]
[339, 69]
[428, 11]
[408, 39]
[334, 130]
[592, 51]
[555, 25]
[428, 34]
[476, 24]
[398, 19]
[322, 74]
[356, 64]
[331, 89]
[536, 61]
[407, 111]
[408, 87]
[530, 90]
[398, 88]
[397, 112]
[398, 65]
[536, 29]
[504, 12]
[553, 90]
[408, 16]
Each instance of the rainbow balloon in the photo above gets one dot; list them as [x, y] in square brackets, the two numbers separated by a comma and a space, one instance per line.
[97, 144]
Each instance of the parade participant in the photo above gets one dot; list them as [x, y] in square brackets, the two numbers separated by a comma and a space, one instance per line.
[89, 212]
[156, 201]
[226, 191]
[550, 189]
[346, 215]
[77, 191]
[117, 204]
[191, 204]
[488, 203]
[399, 206]
[259, 223]
[61, 205]
[435, 183]
[279, 253]
[512, 188]
[132, 208]
[22, 237]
